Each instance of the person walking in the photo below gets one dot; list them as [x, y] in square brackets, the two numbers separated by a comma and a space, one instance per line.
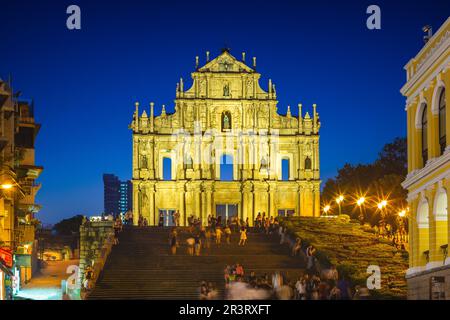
[173, 243]
[296, 247]
[243, 237]
[300, 287]
[208, 238]
[176, 217]
[227, 232]
[310, 251]
[219, 221]
[203, 237]
[218, 235]
[190, 245]
[257, 220]
[197, 244]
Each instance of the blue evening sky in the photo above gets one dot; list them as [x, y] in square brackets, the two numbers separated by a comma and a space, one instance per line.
[85, 82]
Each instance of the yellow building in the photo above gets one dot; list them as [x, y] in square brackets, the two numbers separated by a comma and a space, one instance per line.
[225, 150]
[428, 179]
[18, 187]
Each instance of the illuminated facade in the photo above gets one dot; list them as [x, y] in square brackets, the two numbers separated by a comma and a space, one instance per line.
[18, 174]
[428, 180]
[224, 119]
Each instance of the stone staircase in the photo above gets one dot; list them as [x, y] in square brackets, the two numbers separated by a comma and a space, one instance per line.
[141, 267]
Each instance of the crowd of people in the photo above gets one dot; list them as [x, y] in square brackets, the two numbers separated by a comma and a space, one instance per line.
[201, 237]
[315, 283]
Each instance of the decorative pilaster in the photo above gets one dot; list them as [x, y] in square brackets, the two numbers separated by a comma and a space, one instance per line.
[413, 234]
[153, 217]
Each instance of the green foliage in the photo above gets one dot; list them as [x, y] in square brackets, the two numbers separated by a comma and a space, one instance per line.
[344, 218]
[352, 248]
[69, 226]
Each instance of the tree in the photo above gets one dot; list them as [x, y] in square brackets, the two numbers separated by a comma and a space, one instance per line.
[393, 158]
[378, 180]
[69, 226]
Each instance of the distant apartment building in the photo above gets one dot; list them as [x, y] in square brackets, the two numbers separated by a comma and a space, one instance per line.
[117, 195]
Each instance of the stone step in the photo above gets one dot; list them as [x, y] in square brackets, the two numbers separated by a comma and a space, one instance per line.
[140, 266]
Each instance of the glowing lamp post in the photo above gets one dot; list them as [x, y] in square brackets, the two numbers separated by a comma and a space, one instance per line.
[326, 209]
[339, 201]
[360, 203]
[381, 206]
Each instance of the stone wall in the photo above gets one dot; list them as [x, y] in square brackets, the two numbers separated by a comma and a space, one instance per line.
[419, 285]
[96, 239]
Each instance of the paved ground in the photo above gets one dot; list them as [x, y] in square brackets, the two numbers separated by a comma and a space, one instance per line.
[46, 284]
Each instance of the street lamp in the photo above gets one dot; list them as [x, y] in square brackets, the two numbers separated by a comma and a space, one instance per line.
[6, 186]
[338, 201]
[382, 204]
[360, 203]
[326, 209]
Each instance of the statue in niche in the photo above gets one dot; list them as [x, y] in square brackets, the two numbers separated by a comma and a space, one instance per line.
[263, 164]
[226, 121]
[226, 90]
[307, 163]
[144, 162]
[188, 162]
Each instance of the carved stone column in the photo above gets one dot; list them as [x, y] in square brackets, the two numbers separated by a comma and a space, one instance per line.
[153, 220]
[272, 209]
[135, 201]
[151, 160]
[181, 202]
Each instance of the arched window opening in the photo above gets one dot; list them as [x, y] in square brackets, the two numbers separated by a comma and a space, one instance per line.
[441, 217]
[307, 163]
[442, 122]
[424, 136]
[423, 231]
[167, 169]
[285, 169]
[226, 168]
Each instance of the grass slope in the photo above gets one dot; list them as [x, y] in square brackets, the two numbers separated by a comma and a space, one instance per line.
[352, 248]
